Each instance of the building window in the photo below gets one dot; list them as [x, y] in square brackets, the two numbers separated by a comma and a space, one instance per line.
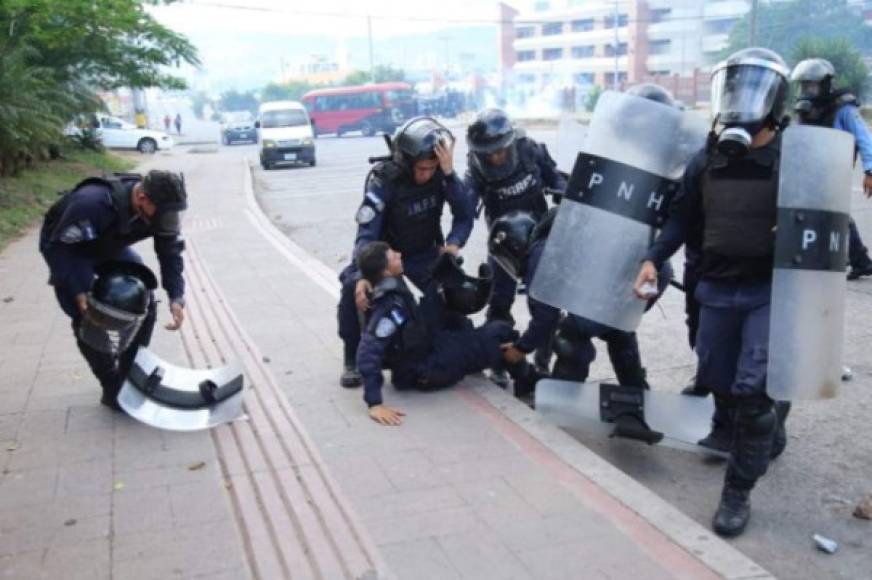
[623, 20]
[552, 28]
[582, 51]
[610, 49]
[525, 55]
[583, 78]
[610, 78]
[659, 46]
[582, 25]
[525, 32]
[527, 78]
[660, 73]
[720, 26]
[661, 14]
[552, 54]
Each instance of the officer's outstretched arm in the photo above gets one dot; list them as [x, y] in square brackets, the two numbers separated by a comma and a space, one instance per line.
[462, 205]
[370, 361]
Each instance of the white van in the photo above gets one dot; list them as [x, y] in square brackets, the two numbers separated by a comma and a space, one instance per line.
[285, 134]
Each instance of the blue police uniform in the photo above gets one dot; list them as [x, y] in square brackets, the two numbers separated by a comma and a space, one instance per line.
[407, 217]
[95, 223]
[521, 190]
[727, 208]
[412, 341]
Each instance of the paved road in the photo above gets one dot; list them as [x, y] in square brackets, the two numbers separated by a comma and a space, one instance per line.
[811, 489]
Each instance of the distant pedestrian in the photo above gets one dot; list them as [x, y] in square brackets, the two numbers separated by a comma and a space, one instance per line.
[167, 122]
[178, 123]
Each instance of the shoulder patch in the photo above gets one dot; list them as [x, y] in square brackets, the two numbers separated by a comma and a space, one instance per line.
[377, 202]
[365, 214]
[398, 317]
[385, 327]
[81, 231]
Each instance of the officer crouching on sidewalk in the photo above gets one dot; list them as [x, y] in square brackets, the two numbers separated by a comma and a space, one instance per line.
[402, 206]
[96, 223]
[418, 342]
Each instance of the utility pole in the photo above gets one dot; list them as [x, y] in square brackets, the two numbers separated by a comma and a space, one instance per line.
[753, 39]
[371, 65]
[615, 23]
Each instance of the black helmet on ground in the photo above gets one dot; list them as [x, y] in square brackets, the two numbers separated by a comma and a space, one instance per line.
[491, 132]
[749, 92]
[416, 139]
[814, 77]
[509, 240]
[653, 92]
[463, 293]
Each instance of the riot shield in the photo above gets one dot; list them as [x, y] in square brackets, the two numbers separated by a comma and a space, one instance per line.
[570, 140]
[621, 184]
[179, 399]
[679, 421]
[811, 253]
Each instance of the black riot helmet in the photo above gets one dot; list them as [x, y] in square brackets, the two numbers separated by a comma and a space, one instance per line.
[653, 92]
[814, 78]
[463, 293]
[416, 139]
[492, 131]
[118, 302]
[509, 241]
[749, 90]
[167, 191]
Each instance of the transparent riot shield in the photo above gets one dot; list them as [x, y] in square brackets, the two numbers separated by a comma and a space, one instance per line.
[811, 253]
[180, 399]
[621, 184]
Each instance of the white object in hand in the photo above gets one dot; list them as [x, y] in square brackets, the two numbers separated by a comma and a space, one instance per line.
[648, 290]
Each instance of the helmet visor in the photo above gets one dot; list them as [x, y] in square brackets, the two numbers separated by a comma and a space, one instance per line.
[486, 162]
[108, 329]
[744, 93]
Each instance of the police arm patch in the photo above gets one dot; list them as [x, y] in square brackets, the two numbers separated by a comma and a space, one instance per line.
[385, 327]
[365, 214]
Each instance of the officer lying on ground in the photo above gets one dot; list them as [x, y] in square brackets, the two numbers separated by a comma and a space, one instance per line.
[411, 339]
[403, 205]
[97, 222]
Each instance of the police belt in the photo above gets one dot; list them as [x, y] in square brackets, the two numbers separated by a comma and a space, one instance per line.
[207, 394]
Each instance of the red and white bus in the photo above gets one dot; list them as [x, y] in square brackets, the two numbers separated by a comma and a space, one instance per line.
[364, 108]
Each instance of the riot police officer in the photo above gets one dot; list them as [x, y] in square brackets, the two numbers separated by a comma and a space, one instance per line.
[507, 171]
[412, 340]
[727, 208]
[97, 222]
[403, 202]
[516, 242]
[819, 102]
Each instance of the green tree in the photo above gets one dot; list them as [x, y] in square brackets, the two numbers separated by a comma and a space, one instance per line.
[236, 101]
[358, 77]
[592, 97]
[108, 44]
[780, 25]
[382, 74]
[851, 71]
[291, 91]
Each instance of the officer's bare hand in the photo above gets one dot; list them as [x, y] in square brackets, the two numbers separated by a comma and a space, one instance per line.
[386, 415]
[867, 186]
[512, 355]
[361, 298]
[452, 249]
[178, 313]
[646, 281]
[445, 154]
[82, 303]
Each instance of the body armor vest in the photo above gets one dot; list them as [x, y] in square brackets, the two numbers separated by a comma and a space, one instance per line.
[522, 190]
[740, 212]
[413, 338]
[413, 216]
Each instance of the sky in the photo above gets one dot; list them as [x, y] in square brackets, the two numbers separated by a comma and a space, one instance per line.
[244, 43]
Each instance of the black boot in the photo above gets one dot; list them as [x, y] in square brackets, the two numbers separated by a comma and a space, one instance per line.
[721, 436]
[694, 389]
[733, 513]
[779, 443]
[350, 377]
[499, 377]
[858, 272]
[524, 378]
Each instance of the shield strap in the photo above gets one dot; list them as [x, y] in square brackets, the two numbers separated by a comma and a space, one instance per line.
[810, 239]
[620, 189]
[207, 394]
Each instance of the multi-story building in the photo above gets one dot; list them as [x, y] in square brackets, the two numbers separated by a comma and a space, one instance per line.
[578, 43]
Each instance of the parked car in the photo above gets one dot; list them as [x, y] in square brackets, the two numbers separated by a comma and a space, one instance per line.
[117, 134]
[285, 134]
[237, 126]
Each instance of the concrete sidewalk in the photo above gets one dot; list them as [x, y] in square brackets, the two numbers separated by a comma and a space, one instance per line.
[473, 485]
